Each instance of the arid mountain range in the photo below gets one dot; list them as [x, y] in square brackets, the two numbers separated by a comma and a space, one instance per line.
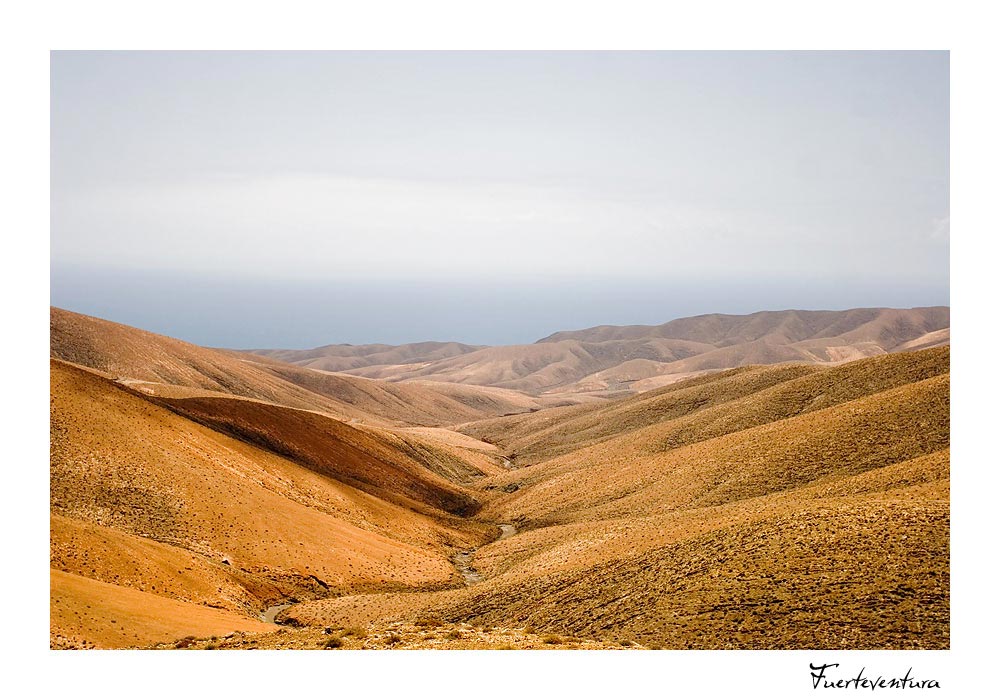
[777, 480]
[638, 358]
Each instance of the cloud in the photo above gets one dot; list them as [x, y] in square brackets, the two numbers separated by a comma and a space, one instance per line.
[308, 225]
[941, 229]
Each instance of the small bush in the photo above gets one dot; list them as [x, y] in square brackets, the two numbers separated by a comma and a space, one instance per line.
[333, 643]
[393, 639]
[552, 639]
[454, 634]
[184, 643]
[357, 631]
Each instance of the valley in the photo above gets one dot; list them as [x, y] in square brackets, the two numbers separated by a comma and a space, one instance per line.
[772, 481]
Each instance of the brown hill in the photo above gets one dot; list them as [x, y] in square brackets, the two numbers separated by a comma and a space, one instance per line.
[858, 562]
[841, 572]
[636, 358]
[782, 506]
[707, 406]
[159, 365]
[529, 368]
[146, 499]
[889, 327]
[87, 614]
[774, 456]
[365, 460]
[809, 511]
[339, 358]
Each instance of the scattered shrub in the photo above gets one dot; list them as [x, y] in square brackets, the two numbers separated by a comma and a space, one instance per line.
[429, 622]
[184, 643]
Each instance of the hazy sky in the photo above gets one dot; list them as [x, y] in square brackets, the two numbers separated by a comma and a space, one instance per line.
[298, 199]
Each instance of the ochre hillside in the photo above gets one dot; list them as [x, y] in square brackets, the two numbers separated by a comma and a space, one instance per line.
[706, 407]
[339, 358]
[161, 365]
[207, 499]
[245, 526]
[327, 446]
[609, 359]
[822, 528]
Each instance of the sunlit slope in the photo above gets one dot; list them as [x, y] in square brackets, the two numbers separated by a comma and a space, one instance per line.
[412, 403]
[864, 573]
[536, 437]
[160, 365]
[582, 542]
[813, 513]
[122, 468]
[828, 528]
[706, 407]
[107, 554]
[783, 506]
[609, 359]
[88, 614]
[529, 368]
[627, 475]
[929, 340]
[120, 461]
[888, 327]
[374, 462]
[856, 561]
[133, 355]
[340, 358]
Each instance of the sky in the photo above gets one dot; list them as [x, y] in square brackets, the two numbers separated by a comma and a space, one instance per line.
[273, 199]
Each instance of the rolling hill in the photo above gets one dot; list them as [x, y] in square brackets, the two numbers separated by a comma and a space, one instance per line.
[805, 513]
[799, 504]
[638, 358]
[250, 513]
[340, 358]
[160, 365]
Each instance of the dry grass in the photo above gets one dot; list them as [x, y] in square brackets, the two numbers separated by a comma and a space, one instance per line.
[397, 636]
[705, 407]
[393, 471]
[763, 507]
[149, 500]
[161, 365]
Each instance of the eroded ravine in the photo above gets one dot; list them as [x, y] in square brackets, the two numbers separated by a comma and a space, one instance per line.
[269, 614]
[463, 560]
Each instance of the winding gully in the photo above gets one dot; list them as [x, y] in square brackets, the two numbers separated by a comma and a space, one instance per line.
[461, 560]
